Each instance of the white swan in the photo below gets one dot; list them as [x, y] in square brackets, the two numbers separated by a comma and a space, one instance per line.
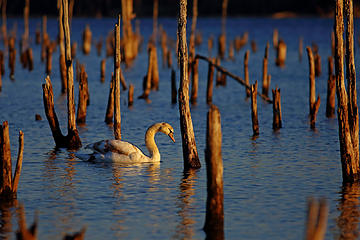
[125, 152]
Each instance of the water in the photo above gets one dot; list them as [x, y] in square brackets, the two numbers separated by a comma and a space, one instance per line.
[266, 181]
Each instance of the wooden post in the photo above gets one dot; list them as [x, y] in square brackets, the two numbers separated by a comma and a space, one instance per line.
[192, 34]
[48, 60]
[29, 56]
[330, 99]
[314, 103]
[221, 46]
[4, 26]
[317, 60]
[122, 81]
[348, 117]
[73, 50]
[12, 57]
[265, 77]
[164, 48]
[173, 87]
[195, 81]
[275, 38]
[82, 104]
[169, 59]
[214, 221]
[154, 70]
[210, 82]
[102, 69]
[277, 117]
[86, 37]
[210, 44]
[281, 53]
[231, 51]
[73, 135]
[254, 112]
[147, 78]
[155, 18]
[246, 72]
[316, 219]
[190, 155]
[110, 106]
[131, 95]
[45, 38]
[117, 69]
[9, 185]
[99, 46]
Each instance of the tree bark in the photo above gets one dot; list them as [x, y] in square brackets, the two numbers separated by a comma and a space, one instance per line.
[117, 69]
[190, 155]
[348, 119]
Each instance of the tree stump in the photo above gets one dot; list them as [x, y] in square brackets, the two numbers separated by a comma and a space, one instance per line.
[190, 155]
[254, 112]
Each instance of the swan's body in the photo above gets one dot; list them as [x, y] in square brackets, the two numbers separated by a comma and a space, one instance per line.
[125, 152]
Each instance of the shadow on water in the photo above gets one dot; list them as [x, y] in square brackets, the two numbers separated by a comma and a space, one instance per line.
[185, 228]
[348, 220]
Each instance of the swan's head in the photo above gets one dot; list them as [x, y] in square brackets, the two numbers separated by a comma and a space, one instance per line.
[167, 129]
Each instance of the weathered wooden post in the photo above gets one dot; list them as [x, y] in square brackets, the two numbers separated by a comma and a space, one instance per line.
[275, 38]
[265, 76]
[9, 184]
[117, 69]
[12, 57]
[48, 60]
[190, 155]
[86, 37]
[83, 98]
[62, 63]
[210, 82]
[330, 99]
[281, 53]
[214, 221]
[348, 116]
[102, 70]
[277, 117]
[317, 60]
[246, 72]
[314, 103]
[195, 81]
[4, 26]
[131, 95]
[254, 112]
[110, 105]
[317, 214]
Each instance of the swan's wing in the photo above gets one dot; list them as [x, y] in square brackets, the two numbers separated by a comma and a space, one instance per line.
[115, 146]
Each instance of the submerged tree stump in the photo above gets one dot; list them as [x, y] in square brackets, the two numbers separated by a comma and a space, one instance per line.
[281, 53]
[277, 117]
[83, 98]
[190, 154]
[254, 112]
[102, 70]
[331, 89]
[117, 69]
[173, 87]
[195, 81]
[110, 106]
[210, 82]
[131, 95]
[348, 116]
[314, 103]
[214, 221]
[9, 184]
[246, 72]
[86, 37]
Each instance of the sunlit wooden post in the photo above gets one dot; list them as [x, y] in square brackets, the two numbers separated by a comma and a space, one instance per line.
[214, 221]
[62, 62]
[277, 117]
[190, 154]
[110, 105]
[314, 103]
[246, 72]
[254, 112]
[117, 59]
[73, 135]
[348, 116]
[331, 90]
[9, 184]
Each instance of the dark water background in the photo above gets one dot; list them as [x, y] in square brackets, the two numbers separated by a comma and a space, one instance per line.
[266, 181]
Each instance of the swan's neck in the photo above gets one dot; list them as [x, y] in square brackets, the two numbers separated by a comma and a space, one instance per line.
[151, 145]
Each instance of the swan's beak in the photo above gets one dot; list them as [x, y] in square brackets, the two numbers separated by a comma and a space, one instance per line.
[171, 135]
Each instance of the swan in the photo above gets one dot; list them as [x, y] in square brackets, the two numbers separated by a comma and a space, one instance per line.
[125, 152]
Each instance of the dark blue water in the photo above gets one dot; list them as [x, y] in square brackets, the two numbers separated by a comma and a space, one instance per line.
[266, 181]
